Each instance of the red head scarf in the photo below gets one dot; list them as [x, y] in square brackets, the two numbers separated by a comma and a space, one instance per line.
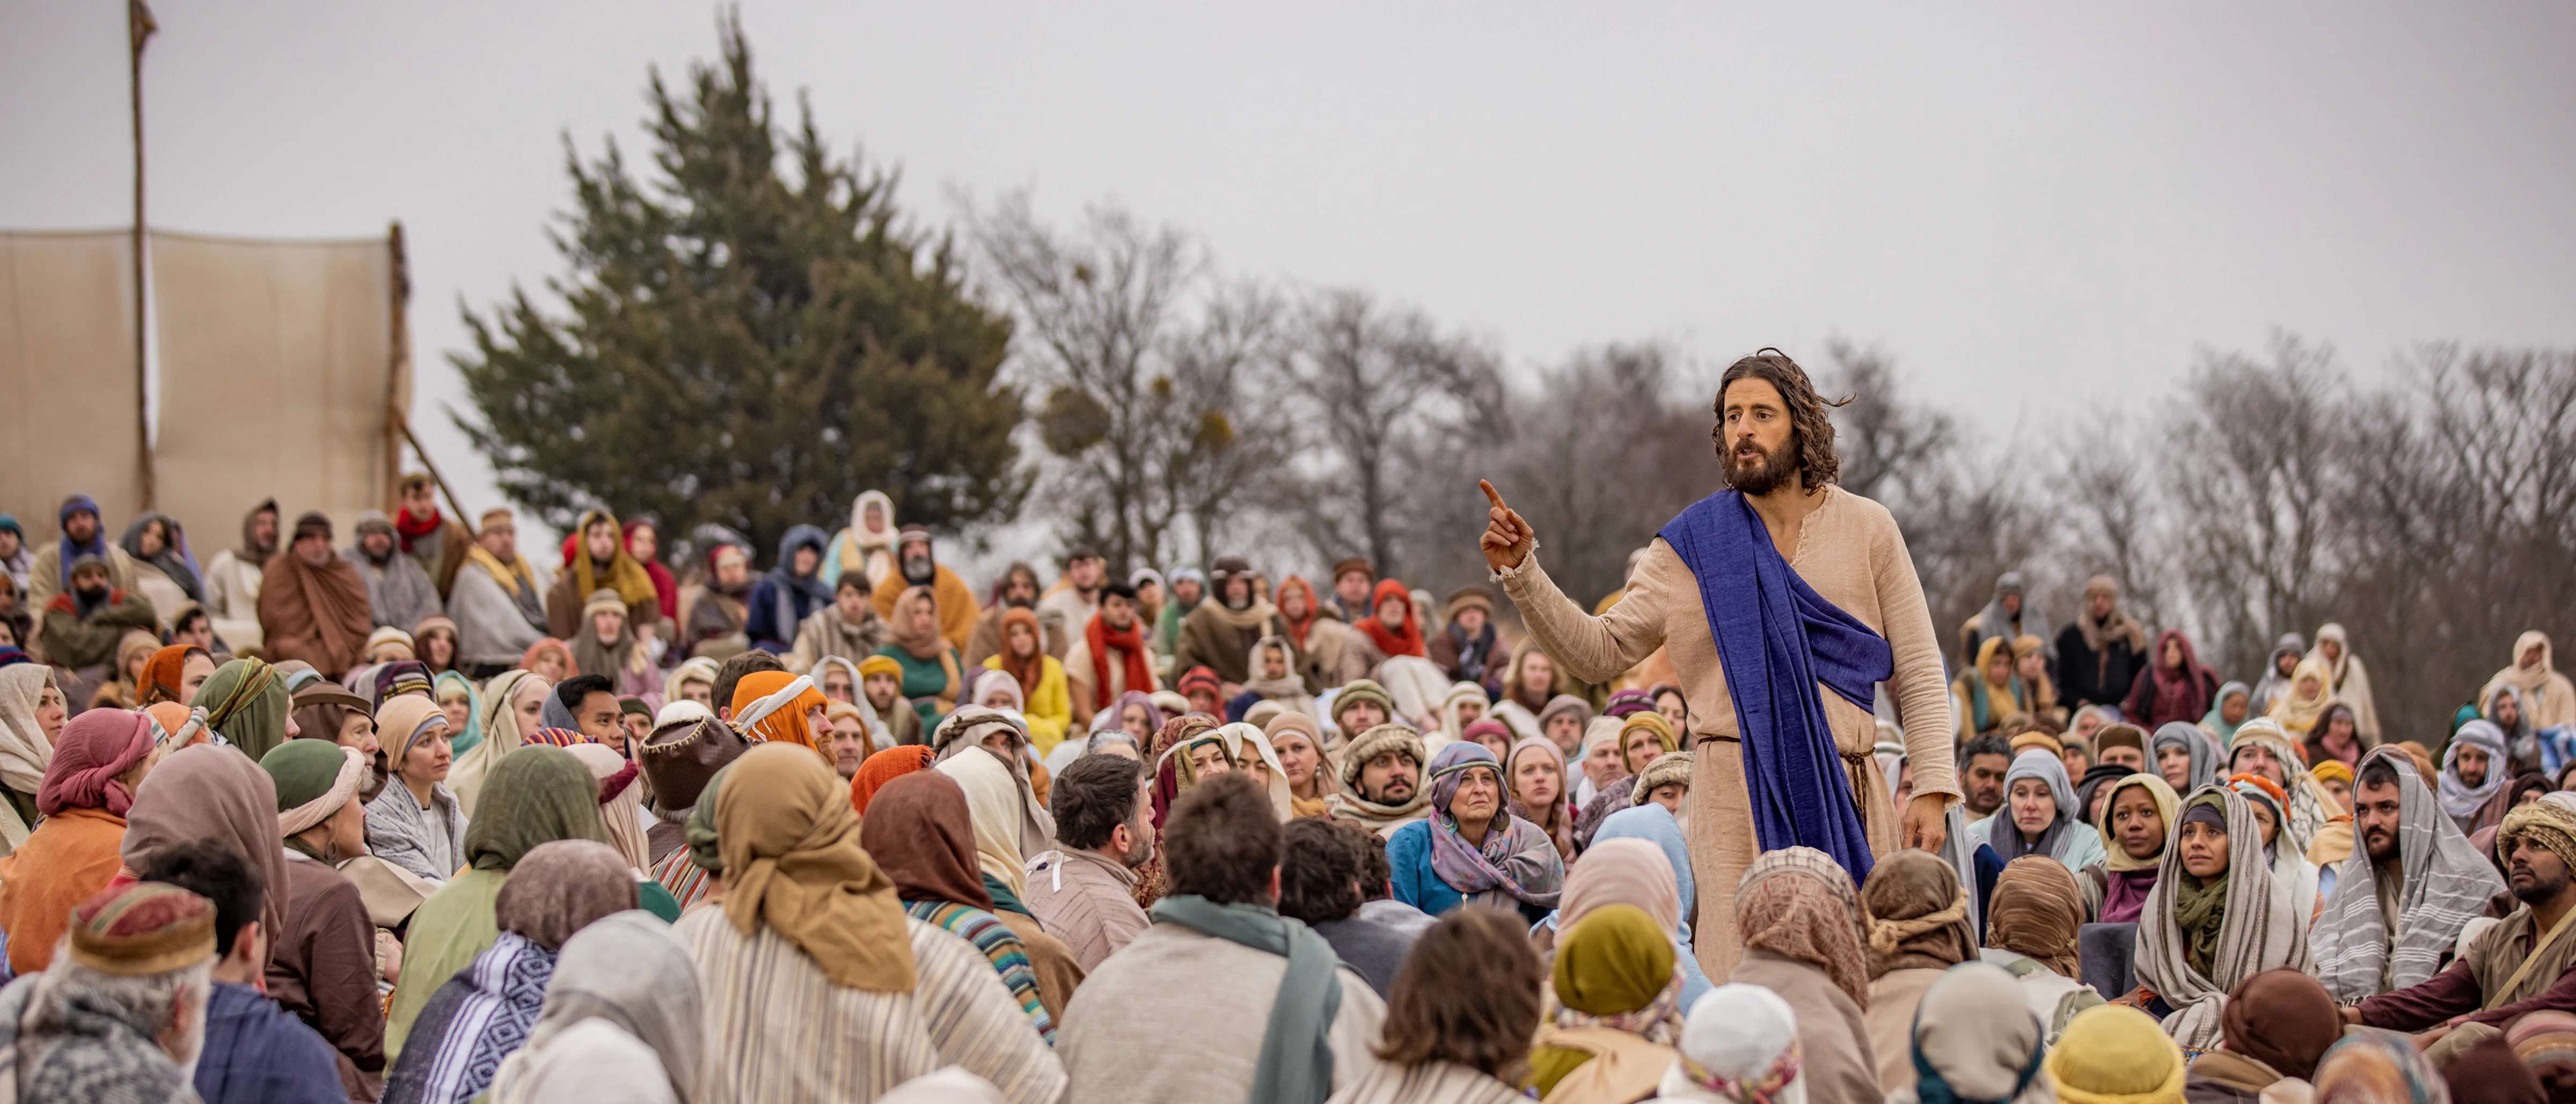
[1394, 642]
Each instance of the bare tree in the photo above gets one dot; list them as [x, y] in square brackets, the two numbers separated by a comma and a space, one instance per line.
[2114, 518]
[1376, 382]
[1142, 363]
[1889, 445]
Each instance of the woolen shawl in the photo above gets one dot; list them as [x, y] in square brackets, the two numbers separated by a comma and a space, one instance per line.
[2458, 798]
[1517, 859]
[621, 802]
[2006, 836]
[2204, 755]
[2258, 930]
[501, 736]
[1000, 824]
[1798, 903]
[2446, 884]
[792, 861]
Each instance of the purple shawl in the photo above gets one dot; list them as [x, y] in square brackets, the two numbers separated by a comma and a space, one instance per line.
[1518, 858]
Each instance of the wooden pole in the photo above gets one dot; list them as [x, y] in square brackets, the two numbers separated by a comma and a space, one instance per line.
[443, 488]
[139, 27]
[397, 370]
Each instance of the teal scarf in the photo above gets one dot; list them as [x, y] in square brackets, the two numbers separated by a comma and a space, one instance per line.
[1296, 1065]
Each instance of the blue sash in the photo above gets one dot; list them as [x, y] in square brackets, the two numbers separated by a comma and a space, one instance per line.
[1776, 639]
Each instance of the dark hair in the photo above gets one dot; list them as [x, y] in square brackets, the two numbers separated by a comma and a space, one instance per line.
[190, 616]
[1116, 589]
[216, 871]
[1319, 873]
[1468, 994]
[569, 692]
[1810, 431]
[1983, 745]
[1221, 842]
[1095, 794]
[752, 662]
[1377, 876]
[2378, 773]
[854, 580]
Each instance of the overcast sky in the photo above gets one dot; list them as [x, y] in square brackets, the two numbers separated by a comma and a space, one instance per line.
[2042, 210]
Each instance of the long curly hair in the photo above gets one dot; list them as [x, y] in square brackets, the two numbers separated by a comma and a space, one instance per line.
[1811, 433]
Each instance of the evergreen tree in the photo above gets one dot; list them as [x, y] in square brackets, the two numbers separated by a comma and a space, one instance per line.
[745, 346]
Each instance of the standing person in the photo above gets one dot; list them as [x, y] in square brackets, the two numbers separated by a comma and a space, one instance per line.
[312, 604]
[915, 567]
[1722, 569]
[1109, 657]
[2347, 679]
[2547, 698]
[1466, 649]
[497, 603]
[2176, 687]
[1219, 635]
[1254, 992]
[2005, 617]
[400, 594]
[599, 561]
[790, 593]
[2100, 653]
[434, 542]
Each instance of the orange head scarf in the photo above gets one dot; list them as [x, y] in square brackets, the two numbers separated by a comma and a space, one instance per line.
[161, 674]
[1406, 640]
[886, 766]
[783, 721]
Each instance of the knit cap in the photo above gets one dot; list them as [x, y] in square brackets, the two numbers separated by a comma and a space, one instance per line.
[142, 928]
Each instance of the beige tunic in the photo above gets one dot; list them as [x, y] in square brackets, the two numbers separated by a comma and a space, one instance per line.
[1850, 551]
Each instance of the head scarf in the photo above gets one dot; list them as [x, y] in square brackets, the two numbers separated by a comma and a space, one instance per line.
[2115, 1054]
[2371, 1066]
[1517, 861]
[539, 794]
[882, 768]
[2298, 714]
[1617, 968]
[2168, 809]
[1247, 745]
[922, 835]
[1991, 703]
[1350, 803]
[623, 574]
[24, 750]
[968, 727]
[1797, 902]
[1558, 818]
[2309, 804]
[174, 559]
[500, 725]
[95, 747]
[449, 681]
[1327, 765]
[2180, 685]
[2283, 1019]
[2006, 836]
[2215, 722]
[627, 970]
[246, 703]
[404, 721]
[1974, 1039]
[925, 645]
[989, 682]
[1630, 872]
[2460, 799]
[2204, 757]
[2238, 924]
[211, 793]
[772, 706]
[2446, 884]
[792, 861]
[993, 801]
[160, 681]
[1653, 824]
[1652, 722]
[1174, 775]
[1026, 672]
[560, 887]
[2035, 912]
[1406, 638]
[1741, 1044]
[2546, 1042]
[621, 802]
[692, 669]
[1916, 913]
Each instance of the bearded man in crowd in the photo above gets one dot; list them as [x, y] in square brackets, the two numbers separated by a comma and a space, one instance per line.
[1757, 637]
[434, 541]
[399, 593]
[949, 593]
[312, 604]
[497, 603]
[1219, 635]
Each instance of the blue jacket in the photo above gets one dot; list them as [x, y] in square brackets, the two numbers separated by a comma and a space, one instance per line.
[258, 1053]
[1408, 852]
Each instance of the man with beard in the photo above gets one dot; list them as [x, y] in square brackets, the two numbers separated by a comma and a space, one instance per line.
[312, 604]
[720, 609]
[1075, 598]
[232, 578]
[2400, 901]
[1110, 658]
[1189, 588]
[84, 623]
[1084, 890]
[1219, 635]
[1017, 590]
[2521, 964]
[1756, 636]
[1353, 582]
[2100, 653]
[956, 601]
[848, 629]
[399, 592]
[83, 536]
[435, 542]
[1983, 762]
[495, 602]
[1381, 780]
[1466, 650]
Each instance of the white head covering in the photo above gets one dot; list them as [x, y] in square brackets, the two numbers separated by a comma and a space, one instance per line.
[1739, 1033]
[625, 971]
[682, 710]
[1246, 742]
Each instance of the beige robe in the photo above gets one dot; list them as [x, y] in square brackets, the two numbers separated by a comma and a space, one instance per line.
[1850, 551]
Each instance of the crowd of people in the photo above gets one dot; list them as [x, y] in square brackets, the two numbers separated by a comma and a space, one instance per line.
[430, 817]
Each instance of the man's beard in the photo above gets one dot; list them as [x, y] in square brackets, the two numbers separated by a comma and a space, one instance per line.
[2383, 849]
[1018, 600]
[1760, 476]
[918, 570]
[1974, 808]
[90, 597]
[1143, 851]
[1386, 795]
[2473, 783]
[2540, 890]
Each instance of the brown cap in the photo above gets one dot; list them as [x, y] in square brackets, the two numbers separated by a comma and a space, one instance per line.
[1465, 597]
[1354, 564]
[678, 758]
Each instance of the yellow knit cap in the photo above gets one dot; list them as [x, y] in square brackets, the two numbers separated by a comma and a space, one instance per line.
[2115, 1054]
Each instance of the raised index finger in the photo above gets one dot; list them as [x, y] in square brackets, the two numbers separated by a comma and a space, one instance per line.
[1492, 495]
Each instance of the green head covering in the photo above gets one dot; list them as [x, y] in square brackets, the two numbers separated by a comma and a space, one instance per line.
[303, 770]
[537, 794]
[1617, 959]
[700, 830]
[1361, 690]
[246, 703]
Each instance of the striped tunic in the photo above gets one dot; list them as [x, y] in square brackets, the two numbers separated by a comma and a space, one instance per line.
[779, 1032]
[999, 945]
[679, 873]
